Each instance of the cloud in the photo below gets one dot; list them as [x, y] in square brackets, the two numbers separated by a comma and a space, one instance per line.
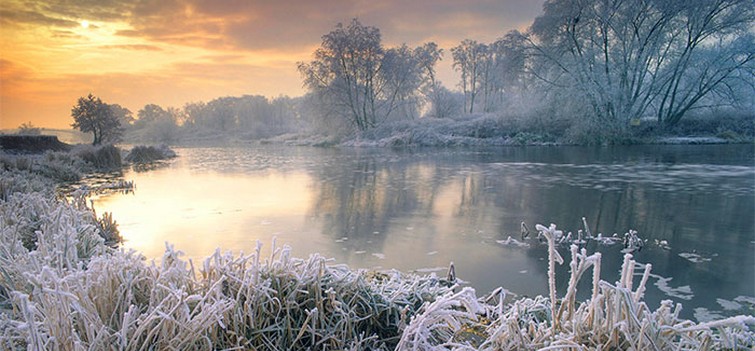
[8, 16]
[291, 24]
[285, 25]
[62, 13]
[175, 51]
[139, 47]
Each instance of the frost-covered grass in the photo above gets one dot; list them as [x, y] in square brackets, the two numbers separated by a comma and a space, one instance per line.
[65, 166]
[102, 158]
[55, 165]
[62, 287]
[472, 130]
[615, 317]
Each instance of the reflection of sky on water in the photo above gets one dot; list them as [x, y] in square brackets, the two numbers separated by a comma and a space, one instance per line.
[420, 209]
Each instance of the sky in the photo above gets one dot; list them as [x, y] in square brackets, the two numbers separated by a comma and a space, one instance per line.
[171, 52]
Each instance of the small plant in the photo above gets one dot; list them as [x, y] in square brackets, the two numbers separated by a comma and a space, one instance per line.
[28, 129]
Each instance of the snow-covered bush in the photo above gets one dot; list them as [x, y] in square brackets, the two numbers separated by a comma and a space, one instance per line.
[66, 166]
[102, 158]
[58, 165]
[472, 130]
[14, 181]
[146, 154]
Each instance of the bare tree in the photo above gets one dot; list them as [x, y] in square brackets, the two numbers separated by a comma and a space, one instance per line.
[628, 59]
[432, 89]
[470, 60]
[361, 80]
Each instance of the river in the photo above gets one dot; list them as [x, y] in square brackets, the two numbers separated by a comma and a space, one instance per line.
[417, 210]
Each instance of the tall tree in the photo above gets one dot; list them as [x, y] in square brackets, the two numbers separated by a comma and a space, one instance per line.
[150, 113]
[158, 124]
[432, 89]
[364, 82]
[470, 60]
[632, 58]
[90, 114]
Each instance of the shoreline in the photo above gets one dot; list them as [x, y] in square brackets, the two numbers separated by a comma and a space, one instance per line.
[389, 143]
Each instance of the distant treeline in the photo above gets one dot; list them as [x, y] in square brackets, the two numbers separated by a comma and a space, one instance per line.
[583, 72]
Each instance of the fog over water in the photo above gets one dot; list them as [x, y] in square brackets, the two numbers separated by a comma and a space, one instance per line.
[419, 209]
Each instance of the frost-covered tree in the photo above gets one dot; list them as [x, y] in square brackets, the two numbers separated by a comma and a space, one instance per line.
[490, 72]
[90, 114]
[158, 124]
[470, 59]
[403, 76]
[248, 116]
[125, 116]
[433, 91]
[150, 113]
[632, 58]
[363, 82]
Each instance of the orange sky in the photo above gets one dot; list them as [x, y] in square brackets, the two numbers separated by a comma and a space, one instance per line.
[170, 52]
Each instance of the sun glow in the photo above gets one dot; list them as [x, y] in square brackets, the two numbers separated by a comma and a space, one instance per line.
[84, 24]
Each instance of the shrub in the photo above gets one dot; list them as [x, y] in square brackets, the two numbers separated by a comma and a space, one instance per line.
[59, 166]
[102, 158]
[146, 154]
[731, 124]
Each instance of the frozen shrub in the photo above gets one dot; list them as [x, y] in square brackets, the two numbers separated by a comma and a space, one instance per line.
[13, 181]
[59, 166]
[146, 154]
[102, 158]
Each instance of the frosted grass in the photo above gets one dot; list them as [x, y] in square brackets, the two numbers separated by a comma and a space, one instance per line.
[62, 287]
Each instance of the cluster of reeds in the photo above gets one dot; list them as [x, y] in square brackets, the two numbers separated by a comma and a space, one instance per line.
[614, 318]
[114, 300]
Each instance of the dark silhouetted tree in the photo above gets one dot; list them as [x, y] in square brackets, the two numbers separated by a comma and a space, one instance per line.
[90, 114]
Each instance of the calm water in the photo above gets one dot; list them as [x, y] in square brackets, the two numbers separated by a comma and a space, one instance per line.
[419, 210]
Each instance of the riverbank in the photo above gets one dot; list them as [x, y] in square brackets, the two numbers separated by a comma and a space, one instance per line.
[32, 144]
[415, 138]
[493, 130]
[120, 301]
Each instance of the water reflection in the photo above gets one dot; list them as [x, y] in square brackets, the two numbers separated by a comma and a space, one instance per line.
[421, 209]
[198, 212]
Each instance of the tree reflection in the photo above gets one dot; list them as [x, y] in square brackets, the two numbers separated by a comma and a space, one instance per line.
[361, 198]
[460, 203]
